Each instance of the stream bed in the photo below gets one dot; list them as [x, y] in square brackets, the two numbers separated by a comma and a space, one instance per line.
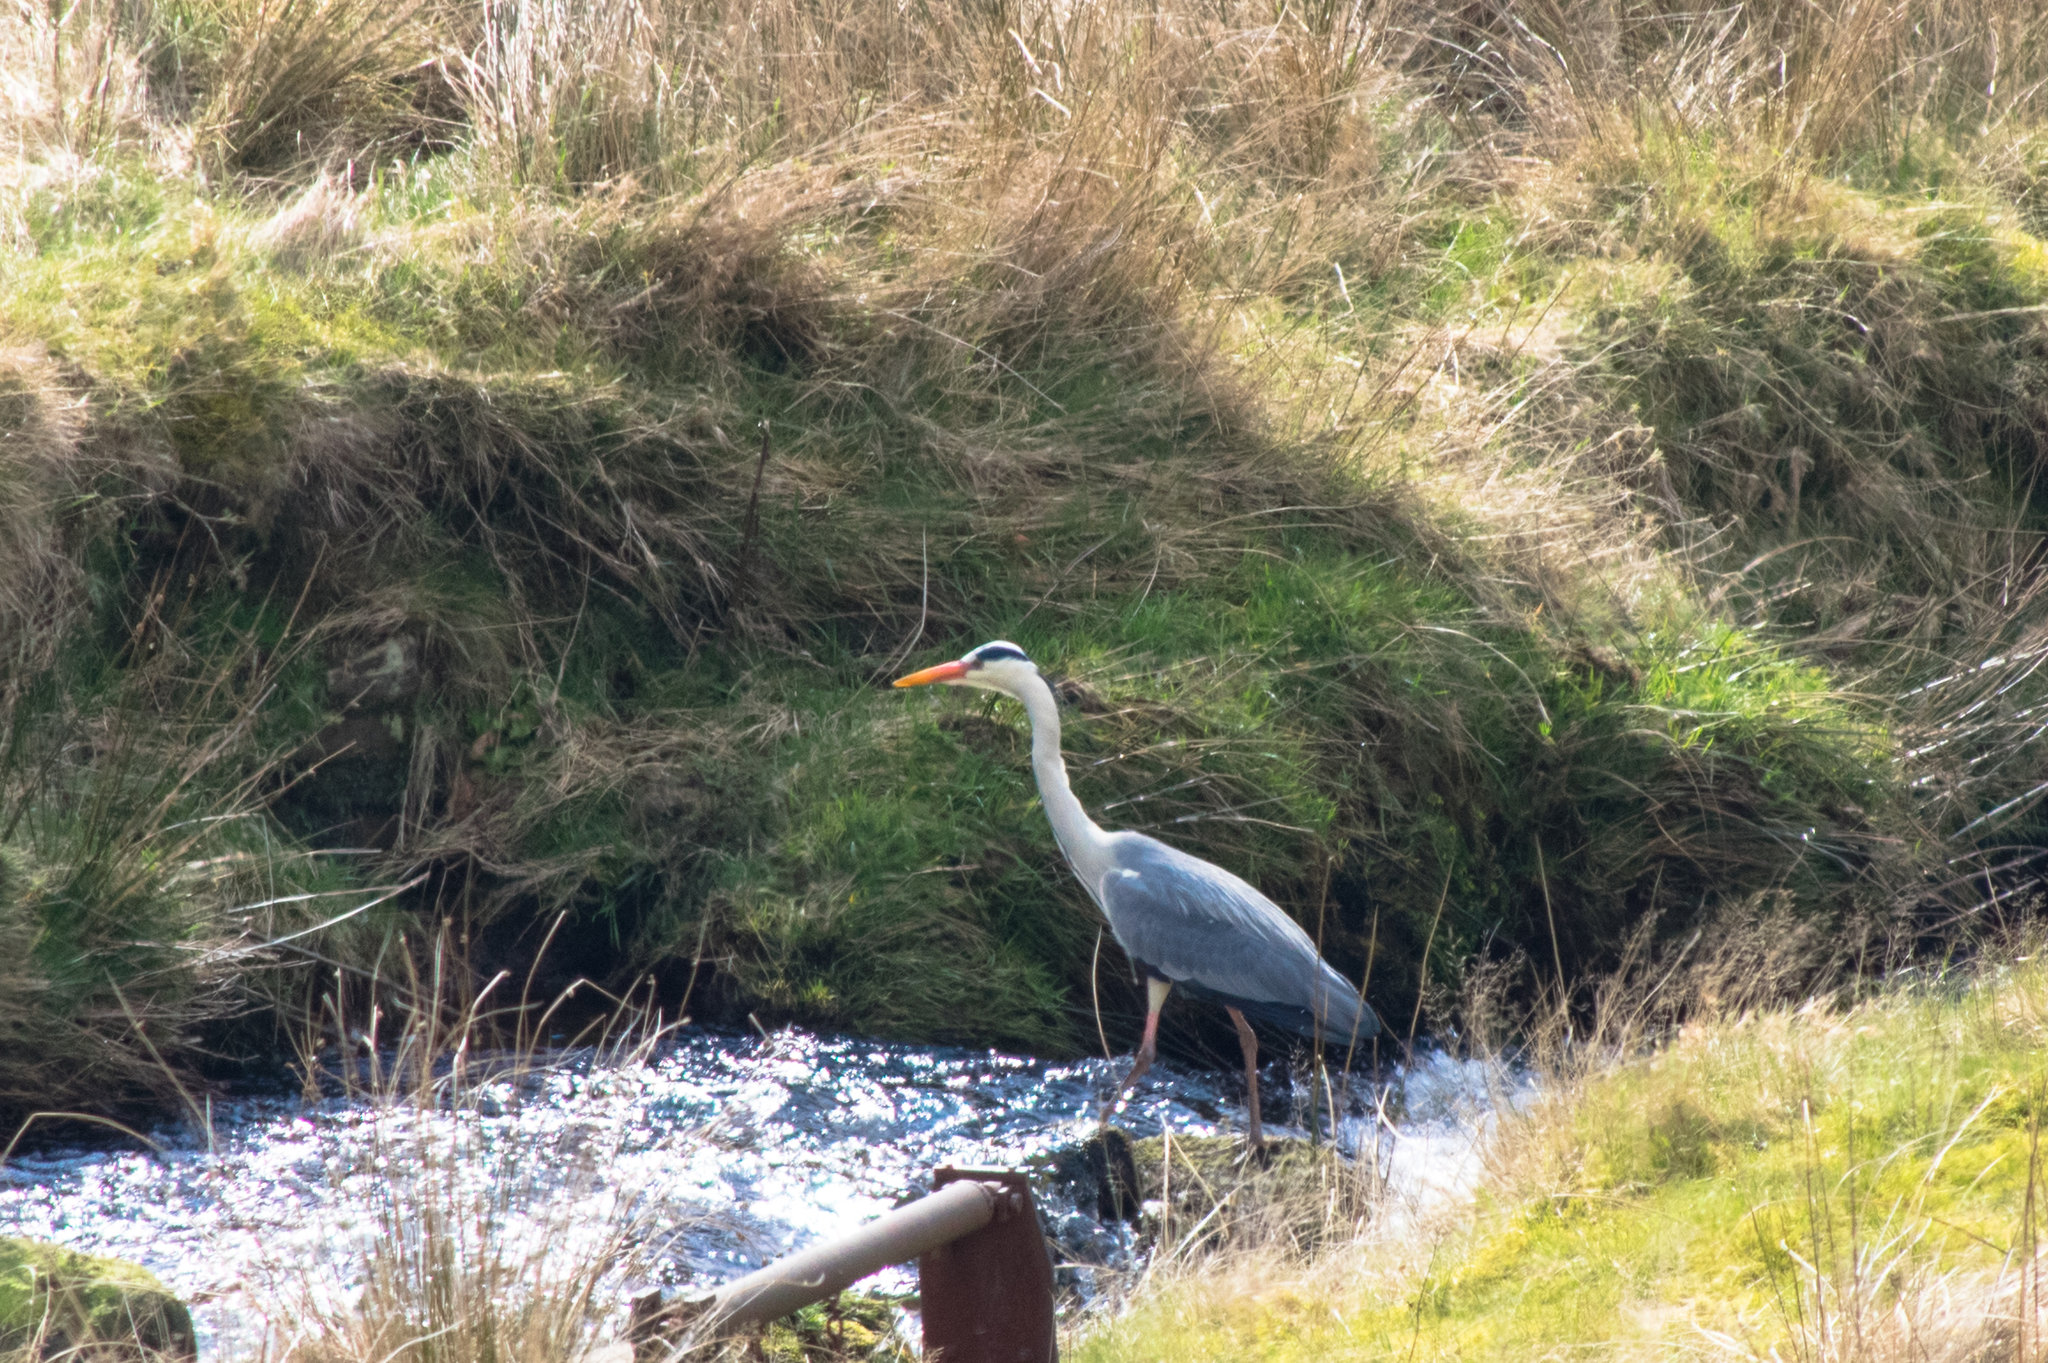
[708, 1154]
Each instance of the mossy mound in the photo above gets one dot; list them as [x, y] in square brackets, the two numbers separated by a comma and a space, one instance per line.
[58, 1303]
[584, 640]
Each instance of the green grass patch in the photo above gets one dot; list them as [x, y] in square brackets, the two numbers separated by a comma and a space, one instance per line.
[1795, 1181]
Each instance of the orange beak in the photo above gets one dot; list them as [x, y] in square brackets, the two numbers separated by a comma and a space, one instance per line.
[944, 672]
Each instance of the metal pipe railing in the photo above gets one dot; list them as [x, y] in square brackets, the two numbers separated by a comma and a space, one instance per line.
[984, 1276]
[828, 1268]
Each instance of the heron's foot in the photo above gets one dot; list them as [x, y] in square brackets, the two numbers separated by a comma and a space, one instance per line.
[1140, 1063]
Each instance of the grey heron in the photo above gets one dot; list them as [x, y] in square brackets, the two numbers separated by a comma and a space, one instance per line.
[1181, 920]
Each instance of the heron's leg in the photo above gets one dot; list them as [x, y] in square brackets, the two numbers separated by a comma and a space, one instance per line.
[1249, 1041]
[1148, 1049]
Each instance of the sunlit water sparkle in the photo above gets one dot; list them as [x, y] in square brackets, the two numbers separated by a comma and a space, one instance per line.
[739, 1147]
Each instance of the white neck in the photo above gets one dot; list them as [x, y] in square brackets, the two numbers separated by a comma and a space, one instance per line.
[1079, 836]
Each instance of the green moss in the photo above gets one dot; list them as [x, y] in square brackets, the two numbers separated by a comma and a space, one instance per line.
[853, 1326]
[67, 1300]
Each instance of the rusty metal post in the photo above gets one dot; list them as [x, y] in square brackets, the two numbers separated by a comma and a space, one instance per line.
[987, 1296]
[825, 1269]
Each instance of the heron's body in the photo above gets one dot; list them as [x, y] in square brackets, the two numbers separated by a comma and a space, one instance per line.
[1221, 939]
[1182, 921]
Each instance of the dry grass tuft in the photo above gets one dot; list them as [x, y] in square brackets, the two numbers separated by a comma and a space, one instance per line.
[279, 79]
[1303, 1199]
[76, 83]
[478, 1246]
[42, 419]
[314, 228]
[146, 903]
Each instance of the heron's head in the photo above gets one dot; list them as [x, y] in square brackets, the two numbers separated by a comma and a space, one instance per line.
[999, 666]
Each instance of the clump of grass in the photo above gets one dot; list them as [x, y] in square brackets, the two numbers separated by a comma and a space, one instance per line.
[1854, 84]
[1849, 403]
[42, 584]
[1303, 1198]
[146, 902]
[473, 1248]
[77, 85]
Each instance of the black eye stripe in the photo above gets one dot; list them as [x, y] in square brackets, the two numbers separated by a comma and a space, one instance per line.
[997, 653]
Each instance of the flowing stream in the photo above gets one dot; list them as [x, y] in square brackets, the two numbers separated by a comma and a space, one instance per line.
[712, 1153]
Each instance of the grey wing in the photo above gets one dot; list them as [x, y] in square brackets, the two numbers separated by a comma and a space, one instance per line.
[1209, 931]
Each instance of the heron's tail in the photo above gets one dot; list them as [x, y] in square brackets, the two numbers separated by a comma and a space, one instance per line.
[1340, 1018]
[1334, 1015]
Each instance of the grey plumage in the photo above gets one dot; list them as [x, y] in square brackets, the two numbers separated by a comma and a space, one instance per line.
[1215, 936]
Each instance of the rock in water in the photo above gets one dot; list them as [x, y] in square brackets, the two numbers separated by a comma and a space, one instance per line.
[1099, 1176]
[56, 1302]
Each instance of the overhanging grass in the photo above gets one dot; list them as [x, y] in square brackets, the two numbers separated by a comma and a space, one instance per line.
[1846, 382]
[1388, 503]
[1269, 679]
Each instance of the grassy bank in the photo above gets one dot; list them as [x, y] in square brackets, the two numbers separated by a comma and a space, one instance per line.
[1495, 480]
[1836, 1181]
